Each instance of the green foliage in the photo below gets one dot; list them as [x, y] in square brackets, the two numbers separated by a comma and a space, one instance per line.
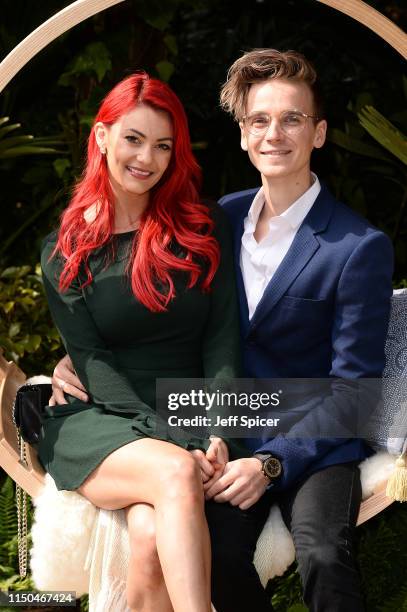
[354, 145]
[287, 593]
[17, 146]
[10, 578]
[382, 130]
[26, 331]
[94, 60]
[382, 557]
[165, 70]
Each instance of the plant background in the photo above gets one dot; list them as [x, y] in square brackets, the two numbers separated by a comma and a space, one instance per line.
[190, 43]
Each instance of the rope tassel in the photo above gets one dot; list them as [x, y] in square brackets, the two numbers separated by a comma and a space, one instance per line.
[397, 483]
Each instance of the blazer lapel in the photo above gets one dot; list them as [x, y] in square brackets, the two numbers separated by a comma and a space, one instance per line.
[243, 306]
[302, 249]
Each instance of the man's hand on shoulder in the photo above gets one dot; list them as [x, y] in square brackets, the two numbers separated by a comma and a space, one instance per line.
[65, 380]
[241, 484]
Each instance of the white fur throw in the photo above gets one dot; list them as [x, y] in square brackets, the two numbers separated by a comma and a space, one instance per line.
[63, 522]
[81, 548]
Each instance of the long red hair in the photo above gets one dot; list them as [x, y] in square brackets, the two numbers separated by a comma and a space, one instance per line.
[174, 211]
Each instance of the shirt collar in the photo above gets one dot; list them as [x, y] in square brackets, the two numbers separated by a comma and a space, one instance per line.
[295, 214]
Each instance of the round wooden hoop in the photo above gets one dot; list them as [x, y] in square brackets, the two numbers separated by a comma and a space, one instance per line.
[82, 9]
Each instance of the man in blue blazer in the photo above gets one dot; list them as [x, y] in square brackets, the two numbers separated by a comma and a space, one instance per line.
[314, 281]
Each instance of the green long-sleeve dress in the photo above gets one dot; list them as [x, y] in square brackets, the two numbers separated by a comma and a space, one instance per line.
[118, 348]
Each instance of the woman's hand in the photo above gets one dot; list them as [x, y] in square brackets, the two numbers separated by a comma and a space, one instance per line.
[218, 452]
[65, 380]
[213, 463]
[207, 469]
[218, 455]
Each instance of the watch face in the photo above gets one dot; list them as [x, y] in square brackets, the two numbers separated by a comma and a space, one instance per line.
[272, 467]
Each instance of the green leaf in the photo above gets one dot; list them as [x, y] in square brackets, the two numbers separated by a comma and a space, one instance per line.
[165, 69]
[362, 99]
[382, 130]
[9, 272]
[14, 329]
[16, 140]
[27, 150]
[356, 146]
[61, 165]
[95, 59]
[297, 608]
[171, 43]
[157, 13]
[15, 272]
[9, 128]
[32, 343]
[8, 307]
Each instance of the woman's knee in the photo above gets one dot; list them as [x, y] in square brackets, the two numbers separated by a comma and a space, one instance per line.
[142, 537]
[181, 479]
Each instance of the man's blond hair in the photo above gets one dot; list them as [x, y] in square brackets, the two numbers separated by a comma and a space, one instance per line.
[261, 65]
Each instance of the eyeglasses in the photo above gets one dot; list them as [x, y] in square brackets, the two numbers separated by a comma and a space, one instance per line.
[290, 122]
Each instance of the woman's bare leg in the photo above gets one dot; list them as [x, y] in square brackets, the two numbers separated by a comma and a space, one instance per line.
[168, 478]
[146, 590]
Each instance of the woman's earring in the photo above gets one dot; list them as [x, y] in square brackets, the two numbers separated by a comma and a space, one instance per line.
[102, 150]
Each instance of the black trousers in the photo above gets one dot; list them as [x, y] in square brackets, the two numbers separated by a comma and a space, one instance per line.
[321, 514]
[236, 586]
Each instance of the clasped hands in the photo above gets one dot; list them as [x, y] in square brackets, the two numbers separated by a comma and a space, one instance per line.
[240, 482]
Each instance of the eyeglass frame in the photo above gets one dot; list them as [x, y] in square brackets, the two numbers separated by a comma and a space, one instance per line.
[306, 115]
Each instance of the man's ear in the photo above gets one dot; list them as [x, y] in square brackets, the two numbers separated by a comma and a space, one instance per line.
[100, 135]
[320, 134]
[243, 137]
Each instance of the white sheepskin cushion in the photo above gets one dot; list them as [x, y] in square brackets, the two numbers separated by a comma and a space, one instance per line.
[275, 548]
[61, 531]
[38, 380]
[375, 470]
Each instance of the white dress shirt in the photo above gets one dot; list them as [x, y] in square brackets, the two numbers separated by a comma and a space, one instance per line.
[260, 260]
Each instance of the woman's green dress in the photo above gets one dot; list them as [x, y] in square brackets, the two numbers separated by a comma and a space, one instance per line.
[119, 348]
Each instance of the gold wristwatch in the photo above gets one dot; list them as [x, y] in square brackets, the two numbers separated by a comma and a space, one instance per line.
[270, 466]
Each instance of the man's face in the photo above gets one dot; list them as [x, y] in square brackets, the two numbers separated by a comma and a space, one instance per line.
[275, 154]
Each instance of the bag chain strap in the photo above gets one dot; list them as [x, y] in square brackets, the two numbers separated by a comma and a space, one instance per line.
[22, 514]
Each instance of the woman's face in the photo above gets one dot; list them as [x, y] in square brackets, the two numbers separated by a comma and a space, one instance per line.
[138, 149]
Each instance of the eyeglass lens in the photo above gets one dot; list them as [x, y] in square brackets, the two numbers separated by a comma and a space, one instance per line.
[290, 122]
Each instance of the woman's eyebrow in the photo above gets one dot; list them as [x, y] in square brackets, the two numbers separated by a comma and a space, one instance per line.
[144, 136]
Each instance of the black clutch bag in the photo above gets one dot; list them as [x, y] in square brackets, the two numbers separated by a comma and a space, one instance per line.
[29, 407]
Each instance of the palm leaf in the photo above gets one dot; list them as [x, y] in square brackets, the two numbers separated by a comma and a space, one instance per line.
[16, 140]
[16, 146]
[354, 145]
[8, 128]
[8, 516]
[382, 130]
[28, 150]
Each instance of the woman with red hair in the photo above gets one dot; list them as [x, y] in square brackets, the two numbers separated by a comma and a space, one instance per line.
[140, 283]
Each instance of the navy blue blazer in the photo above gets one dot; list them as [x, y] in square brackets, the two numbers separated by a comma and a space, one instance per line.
[324, 314]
